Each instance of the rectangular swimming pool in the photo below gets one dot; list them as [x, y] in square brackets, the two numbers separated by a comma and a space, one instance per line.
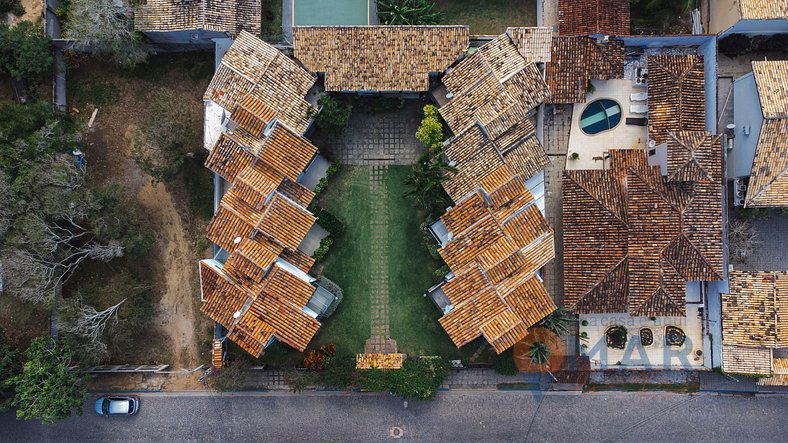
[331, 12]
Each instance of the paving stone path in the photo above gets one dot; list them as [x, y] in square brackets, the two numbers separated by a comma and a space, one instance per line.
[387, 138]
[380, 341]
[556, 142]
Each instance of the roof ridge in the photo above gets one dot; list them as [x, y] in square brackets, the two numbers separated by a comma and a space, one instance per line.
[599, 202]
[603, 278]
[766, 186]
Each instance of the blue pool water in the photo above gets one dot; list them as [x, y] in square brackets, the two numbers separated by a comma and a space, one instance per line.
[600, 115]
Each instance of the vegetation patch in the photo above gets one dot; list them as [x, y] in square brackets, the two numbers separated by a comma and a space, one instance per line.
[490, 17]
[634, 387]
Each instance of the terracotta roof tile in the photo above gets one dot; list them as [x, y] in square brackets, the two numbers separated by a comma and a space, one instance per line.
[632, 239]
[379, 361]
[297, 192]
[222, 296]
[675, 95]
[496, 246]
[298, 259]
[744, 360]
[378, 58]
[288, 152]
[534, 44]
[768, 185]
[755, 313]
[212, 15]
[291, 325]
[253, 115]
[763, 9]
[254, 67]
[285, 285]
[567, 72]
[285, 221]
[576, 17]
[228, 157]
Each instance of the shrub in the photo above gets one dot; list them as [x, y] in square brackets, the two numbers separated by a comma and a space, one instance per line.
[24, 50]
[504, 363]
[539, 353]
[440, 273]
[231, 377]
[408, 12]
[574, 156]
[319, 358]
[329, 222]
[339, 372]
[430, 132]
[322, 250]
[333, 115]
[19, 10]
[418, 379]
[333, 168]
[321, 186]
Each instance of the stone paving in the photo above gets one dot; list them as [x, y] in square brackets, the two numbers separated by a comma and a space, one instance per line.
[380, 341]
[771, 231]
[557, 125]
[386, 138]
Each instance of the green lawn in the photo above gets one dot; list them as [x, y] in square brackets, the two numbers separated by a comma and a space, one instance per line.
[488, 17]
[413, 317]
[271, 29]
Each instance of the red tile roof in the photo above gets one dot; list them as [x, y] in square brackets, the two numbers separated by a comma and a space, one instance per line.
[584, 17]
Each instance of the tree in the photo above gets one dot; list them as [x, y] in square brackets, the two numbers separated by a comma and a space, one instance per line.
[424, 182]
[50, 386]
[333, 115]
[90, 323]
[24, 50]
[9, 367]
[430, 132]
[408, 12]
[105, 27]
[539, 353]
[742, 239]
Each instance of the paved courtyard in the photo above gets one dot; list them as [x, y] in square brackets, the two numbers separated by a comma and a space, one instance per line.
[383, 138]
[771, 231]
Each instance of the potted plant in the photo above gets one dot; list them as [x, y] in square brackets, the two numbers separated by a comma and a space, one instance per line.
[574, 156]
[616, 337]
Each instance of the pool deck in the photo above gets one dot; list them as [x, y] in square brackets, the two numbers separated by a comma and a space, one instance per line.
[591, 148]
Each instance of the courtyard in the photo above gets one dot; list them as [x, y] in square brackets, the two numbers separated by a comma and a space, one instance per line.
[380, 261]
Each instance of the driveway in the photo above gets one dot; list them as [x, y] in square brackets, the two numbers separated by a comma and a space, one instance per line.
[453, 416]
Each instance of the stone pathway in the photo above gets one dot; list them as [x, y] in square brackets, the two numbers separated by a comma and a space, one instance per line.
[380, 341]
[557, 126]
[387, 138]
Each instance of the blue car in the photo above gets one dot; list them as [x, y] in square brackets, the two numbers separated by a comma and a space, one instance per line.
[107, 406]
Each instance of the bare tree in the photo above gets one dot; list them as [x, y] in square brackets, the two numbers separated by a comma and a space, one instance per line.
[105, 26]
[742, 239]
[90, 323]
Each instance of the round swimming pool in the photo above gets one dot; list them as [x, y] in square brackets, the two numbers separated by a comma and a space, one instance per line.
[599, 116]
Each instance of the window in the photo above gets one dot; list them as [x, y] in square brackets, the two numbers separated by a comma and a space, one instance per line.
[599, 116]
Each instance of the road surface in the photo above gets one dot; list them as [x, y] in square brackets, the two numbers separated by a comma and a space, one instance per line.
[453, 416]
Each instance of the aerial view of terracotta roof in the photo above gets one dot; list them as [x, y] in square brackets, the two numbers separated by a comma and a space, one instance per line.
[763, 9]
[492, 94]
[494, 80]
[676, 94]
[253, 67]
[632, 238]
[584, 17]
[378, 58]
[498, 241]
[260, 222]
[754, 320]
[475, 156]
[534, 44]
[284, 154]
[229, 16]
[769, 176]
[576, 60]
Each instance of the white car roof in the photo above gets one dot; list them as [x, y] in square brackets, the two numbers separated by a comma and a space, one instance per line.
[119, 406]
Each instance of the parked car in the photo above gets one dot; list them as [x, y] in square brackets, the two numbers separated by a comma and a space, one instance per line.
[117, 405]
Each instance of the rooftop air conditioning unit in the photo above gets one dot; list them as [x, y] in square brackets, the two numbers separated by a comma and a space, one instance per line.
[738, 202]
[746, 129]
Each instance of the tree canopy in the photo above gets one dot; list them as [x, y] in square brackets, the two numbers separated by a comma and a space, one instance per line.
[24, 50]
[50, 387]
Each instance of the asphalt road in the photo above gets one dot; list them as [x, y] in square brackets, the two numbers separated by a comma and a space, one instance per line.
[453, 416]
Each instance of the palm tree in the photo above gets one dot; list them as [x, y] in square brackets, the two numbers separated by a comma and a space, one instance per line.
[425, 179]
[539, 353]
[408, 12]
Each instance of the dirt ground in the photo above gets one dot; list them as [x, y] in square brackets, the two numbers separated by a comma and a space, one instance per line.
[165, 206]
[34, 11]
